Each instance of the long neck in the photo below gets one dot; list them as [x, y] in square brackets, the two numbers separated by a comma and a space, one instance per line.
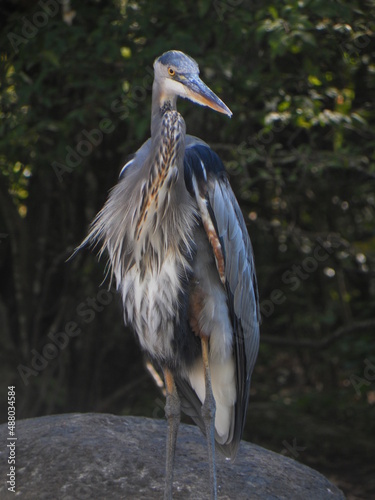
[162, 192]
[161, 102]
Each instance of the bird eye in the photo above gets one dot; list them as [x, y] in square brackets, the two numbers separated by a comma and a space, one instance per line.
[171, 72]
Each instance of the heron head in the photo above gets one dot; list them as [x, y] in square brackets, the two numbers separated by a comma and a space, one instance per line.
[178, 75]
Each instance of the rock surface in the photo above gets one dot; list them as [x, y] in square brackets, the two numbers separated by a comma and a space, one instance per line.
[96, 456]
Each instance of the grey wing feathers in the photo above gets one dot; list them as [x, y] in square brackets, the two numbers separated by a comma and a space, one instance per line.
[240, 278]
[242, 295]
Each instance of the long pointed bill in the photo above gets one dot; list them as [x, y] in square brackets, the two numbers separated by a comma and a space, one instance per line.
[198, 91]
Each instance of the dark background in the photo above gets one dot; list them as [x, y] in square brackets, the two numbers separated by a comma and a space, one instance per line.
[299, 77]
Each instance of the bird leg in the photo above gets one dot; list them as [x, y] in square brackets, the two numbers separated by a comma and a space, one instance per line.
[172, 413]
[208, 415]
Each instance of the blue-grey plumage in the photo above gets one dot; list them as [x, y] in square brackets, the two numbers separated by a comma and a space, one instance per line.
[181, 256]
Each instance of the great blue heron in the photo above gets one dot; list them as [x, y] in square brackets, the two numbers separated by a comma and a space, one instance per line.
[182, 260]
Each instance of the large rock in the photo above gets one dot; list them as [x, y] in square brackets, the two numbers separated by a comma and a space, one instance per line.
[95, 456]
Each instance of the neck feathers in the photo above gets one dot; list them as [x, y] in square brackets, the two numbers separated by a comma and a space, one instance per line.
[164, 173]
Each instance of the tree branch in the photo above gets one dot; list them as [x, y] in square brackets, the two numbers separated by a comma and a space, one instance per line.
[323, 343]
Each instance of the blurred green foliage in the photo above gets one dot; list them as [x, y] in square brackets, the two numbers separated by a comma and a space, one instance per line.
[75, 100]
